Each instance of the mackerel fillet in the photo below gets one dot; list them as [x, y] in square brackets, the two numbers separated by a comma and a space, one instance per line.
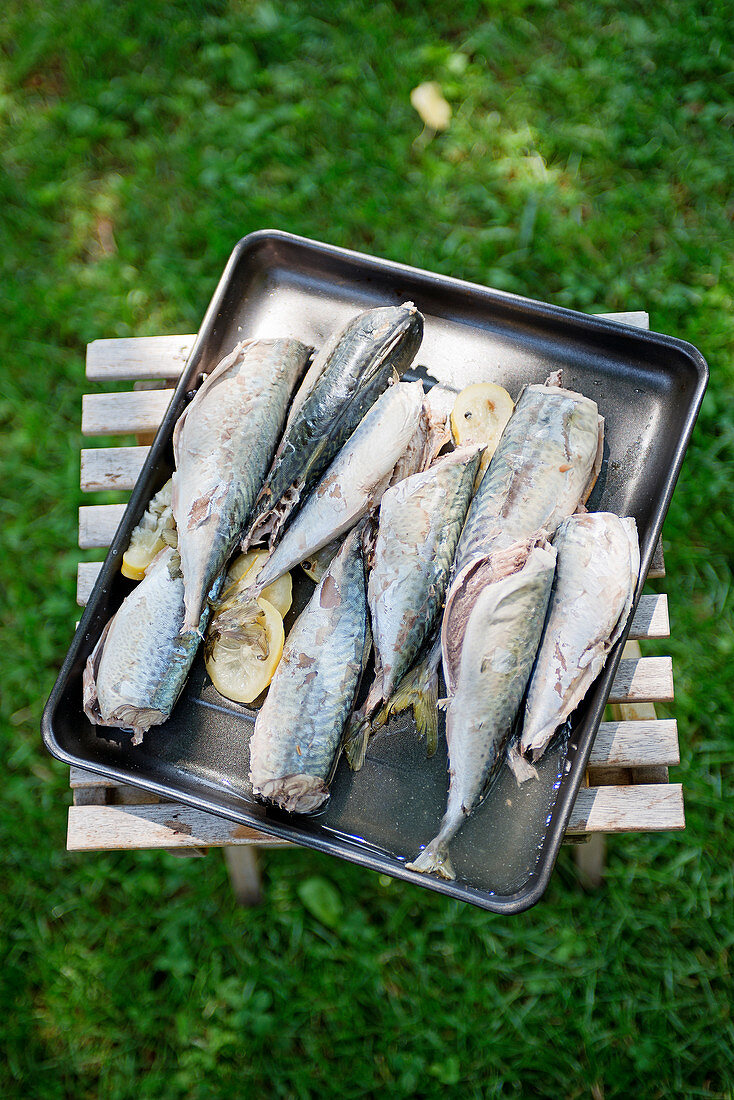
[140, 663]
[598, 569]
[354, 482]
[296, 740]
[223, 444]
[500, 643]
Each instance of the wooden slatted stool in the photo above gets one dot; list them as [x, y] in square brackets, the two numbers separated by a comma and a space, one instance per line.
[627, 785]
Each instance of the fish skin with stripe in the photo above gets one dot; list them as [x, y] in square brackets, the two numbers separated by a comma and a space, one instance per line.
[419, 525]
[354, 482]
[297, 735]
[139, 666]
[345, 379]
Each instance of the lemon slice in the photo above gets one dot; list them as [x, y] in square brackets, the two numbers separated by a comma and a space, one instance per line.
[479, 416]
[243, 572]
[243, 563]
[241, 671]
[156, 529]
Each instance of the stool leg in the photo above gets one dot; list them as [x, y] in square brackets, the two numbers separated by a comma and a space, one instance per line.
[244, 873]
[590, 859]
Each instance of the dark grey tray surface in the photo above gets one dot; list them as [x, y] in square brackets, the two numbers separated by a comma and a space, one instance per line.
[648, 387]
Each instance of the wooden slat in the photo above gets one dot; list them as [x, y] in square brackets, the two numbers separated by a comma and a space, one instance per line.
[80, 777]
[636, 744]
[138, 357]
[111, 467]
[86, 574]
[654, 807]
[651, 617]
[98, 523]
[170, 825]
[89, 796]
[657, 565]
[164, 825]
[645, 679]
[124, 413]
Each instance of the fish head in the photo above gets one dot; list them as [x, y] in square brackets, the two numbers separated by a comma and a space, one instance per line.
[392, 328]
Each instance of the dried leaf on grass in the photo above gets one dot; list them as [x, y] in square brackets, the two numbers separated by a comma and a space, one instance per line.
[428, 101]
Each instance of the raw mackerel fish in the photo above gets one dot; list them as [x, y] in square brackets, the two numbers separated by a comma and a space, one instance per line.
[140, 663]
[597, 572]
[427, 440]
[420, 521]
[354, 482]
[345, 379]
[223, 444]
[295, 744]
[544, 467]
[500, 643]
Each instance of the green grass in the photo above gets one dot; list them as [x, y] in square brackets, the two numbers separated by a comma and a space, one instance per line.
[589, 163]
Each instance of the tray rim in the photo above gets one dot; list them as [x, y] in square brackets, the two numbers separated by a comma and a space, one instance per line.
[531, 892]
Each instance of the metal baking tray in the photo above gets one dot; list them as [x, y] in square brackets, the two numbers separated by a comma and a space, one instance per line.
[648, 387]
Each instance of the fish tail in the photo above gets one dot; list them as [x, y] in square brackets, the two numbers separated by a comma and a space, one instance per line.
[419, 690]
[519, 765]
[356, 736]
[434, 859]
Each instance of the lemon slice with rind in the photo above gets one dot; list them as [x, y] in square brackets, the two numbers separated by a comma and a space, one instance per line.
[156, 529]
[241, 666]
[479, 416]
[242, 574]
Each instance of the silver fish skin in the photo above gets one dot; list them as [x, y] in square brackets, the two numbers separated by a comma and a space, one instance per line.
[500, 644]
[140, 663]
[345, 379]
[223, 444]
[420, 523]
[545, 465]
[354, 482]
[297, 733]
[596, 576]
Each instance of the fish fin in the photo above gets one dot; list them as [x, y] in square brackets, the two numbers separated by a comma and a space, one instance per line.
[519, 765]
[239, 620]
[434, 859]
[356, 736]
[281, 512]
[426, 719]
[419, 690]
